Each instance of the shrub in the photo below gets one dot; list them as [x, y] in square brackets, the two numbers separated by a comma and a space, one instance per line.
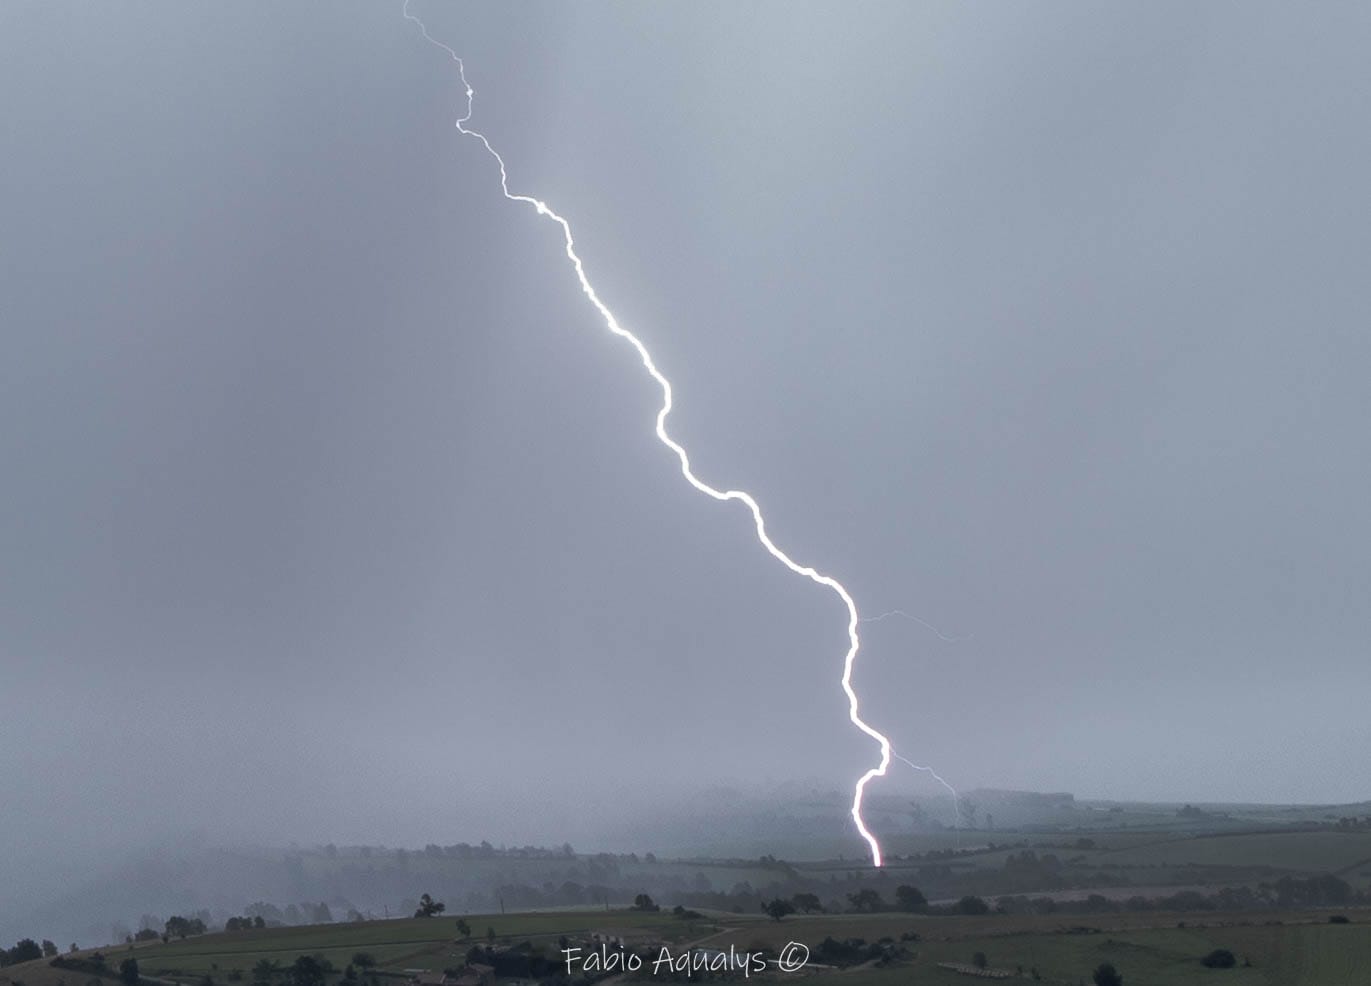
[1220, 958]
[972, 905]
[1107, 975]
[26, 950]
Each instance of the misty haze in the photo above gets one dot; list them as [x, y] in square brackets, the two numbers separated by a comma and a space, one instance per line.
[350, 605]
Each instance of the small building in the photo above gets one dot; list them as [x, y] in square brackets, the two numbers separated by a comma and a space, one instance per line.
[475, 974]
[426, 978]
[613, 937]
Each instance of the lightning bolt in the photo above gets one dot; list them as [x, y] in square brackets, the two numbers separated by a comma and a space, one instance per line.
[612, 324]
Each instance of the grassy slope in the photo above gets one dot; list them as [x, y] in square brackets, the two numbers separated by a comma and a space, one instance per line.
[1304, 851]
[1148, 948]
[1312, 954]
[397, 945]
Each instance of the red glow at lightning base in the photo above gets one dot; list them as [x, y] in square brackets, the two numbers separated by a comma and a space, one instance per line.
[613, 325]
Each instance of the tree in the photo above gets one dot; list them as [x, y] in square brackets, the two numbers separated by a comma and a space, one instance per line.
[428, 907]
[1220, 958]
[463, 928]
[1107, 975]
[364, 961]
[182, 927]
[911, 899]
[778, 908]
[644, 903]
[490, 933]
[259, 922]
[128, 972]
[307, 970]
[972, 905]
[264, 971]
[866, 900]
[24, 950]
[49, 949]
[807, 902]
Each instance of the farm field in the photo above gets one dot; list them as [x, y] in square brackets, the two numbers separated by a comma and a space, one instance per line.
[398, 945]
[1289, 955]
[1329, 851]
[1284, 949]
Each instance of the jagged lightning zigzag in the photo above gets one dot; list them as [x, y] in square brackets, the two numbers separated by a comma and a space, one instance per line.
[613, 325]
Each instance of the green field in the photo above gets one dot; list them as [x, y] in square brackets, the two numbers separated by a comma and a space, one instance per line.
[399, 946]
[1305, 955]
[412, 943]
[1329, 851]
[1287, 949]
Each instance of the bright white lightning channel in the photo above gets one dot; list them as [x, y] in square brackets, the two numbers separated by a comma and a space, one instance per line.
[613, 325]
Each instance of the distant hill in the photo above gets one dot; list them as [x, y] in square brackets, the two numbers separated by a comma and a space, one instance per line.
[718, 843]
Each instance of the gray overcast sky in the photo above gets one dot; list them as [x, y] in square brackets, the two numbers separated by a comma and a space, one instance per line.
[328, 505]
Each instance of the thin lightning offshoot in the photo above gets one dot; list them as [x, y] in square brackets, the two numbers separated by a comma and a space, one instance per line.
[612, 324]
